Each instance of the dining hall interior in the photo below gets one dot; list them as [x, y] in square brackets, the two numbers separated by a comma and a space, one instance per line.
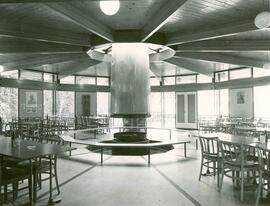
[135, 102]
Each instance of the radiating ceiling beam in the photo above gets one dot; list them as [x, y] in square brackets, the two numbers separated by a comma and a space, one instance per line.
[40, 33]
[222, 58]
[210, 33]
[76, 66]
[15, 46]
[42, 60]
[193, 65]
[225, 46]
[72, 12]
[161, 17]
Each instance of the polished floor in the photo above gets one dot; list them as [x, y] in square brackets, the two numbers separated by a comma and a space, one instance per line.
[170, 180]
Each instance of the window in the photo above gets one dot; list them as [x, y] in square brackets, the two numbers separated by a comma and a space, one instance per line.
[188, 79]
[102, 103]
[48, 103]
[85, 80]
[206, 103]
[67, 80]
[47, 77]
[240, 73]
[203, 79]
[259, 72]
[103, 81]
[154, 81]
[262, 101]
[31, 75]
[13, 74]
[221, 76]
[169, 109]
[155, 110]
[169, 80]
[8, 103]
[65, 104]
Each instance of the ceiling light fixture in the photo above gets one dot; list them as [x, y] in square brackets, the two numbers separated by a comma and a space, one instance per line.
[262, 20]
[109, 7]
[1, 68]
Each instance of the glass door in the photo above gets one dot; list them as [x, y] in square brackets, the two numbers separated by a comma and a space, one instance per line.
[186, 110]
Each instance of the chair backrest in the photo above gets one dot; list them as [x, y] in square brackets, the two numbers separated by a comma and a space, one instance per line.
[231, 151]
[264, 158]
[209, 145]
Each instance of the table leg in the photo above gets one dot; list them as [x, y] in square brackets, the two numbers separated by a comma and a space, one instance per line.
[196, 141]
[51, 200]
[185, 149]
[148, 156]
[70, 150]
[31, 183]
[101, 155]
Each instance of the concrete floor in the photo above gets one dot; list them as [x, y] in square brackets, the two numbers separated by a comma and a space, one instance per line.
[170, 180]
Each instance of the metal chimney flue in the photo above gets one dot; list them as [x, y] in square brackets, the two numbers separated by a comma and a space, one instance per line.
[130, 86]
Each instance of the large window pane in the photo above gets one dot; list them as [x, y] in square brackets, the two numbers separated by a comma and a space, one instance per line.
[155, 110]
[8, 103]
[65, 104]
[169, 109]
[102, 103]
[189, 79]
[67, 80]
[103, 81]
[47, 77]
[203, 79]
[240, 73]
[262, 101]
[221, 76]
[206, 103]
[259, 72]
[169, 80]
[13, 74]
[31, 75]
[154, 81]
[48, 103]
[85, 80]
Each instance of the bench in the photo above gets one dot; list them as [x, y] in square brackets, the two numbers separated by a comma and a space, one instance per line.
[101, 145]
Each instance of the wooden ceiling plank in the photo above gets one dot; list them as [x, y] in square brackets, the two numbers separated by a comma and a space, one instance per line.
[76, 15]
[42, 60]
[222, 58]
[25, 31]
[34, 47]
[76, 67]
[225, 45]
[160, 17]
[193, 65]
[175, 38]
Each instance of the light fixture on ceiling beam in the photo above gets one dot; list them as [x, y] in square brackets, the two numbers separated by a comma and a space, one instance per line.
[109, 7]
[262, 20]
[1, 69]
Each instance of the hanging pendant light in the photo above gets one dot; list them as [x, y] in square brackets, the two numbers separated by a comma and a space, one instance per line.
[109, 7]
[262, 20]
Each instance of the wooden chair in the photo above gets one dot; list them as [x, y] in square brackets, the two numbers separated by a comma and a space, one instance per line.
[210, 155]
[12, 176]
[235, 159]
[264, 175]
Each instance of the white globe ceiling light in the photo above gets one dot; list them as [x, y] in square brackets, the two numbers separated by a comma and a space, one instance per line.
[109, 7]
[262, 20]
[1, 68]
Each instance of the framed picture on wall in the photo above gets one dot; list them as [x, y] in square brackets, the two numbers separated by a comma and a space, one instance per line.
[31, 99]
[240, 97]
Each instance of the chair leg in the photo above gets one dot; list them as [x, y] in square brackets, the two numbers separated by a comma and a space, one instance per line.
[214, 165]
[218, 171]
[259, 190]
[56, 177]
[201, 169]
[242, 186]
[15, 187]
[5, 193]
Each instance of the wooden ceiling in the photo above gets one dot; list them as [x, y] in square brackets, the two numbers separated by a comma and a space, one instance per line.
[206, 34]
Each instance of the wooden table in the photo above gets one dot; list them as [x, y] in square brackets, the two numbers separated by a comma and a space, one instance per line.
[30, 150]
